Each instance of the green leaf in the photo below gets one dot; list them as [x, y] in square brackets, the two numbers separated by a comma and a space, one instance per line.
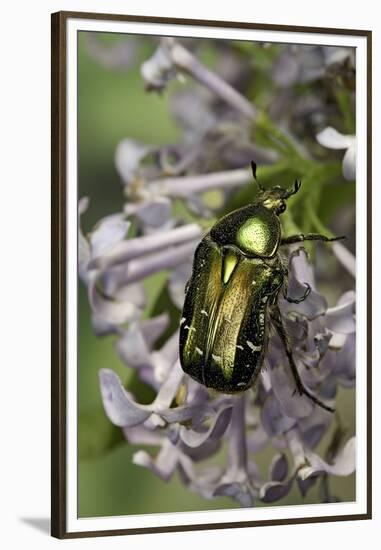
[334, 197]
[345, 102]
[96, 434]
[164, 303]
[143, 393]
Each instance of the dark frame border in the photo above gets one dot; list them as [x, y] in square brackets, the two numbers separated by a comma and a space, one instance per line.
[58, 272]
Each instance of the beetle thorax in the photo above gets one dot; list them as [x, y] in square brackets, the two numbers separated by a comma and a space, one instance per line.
[254, 230]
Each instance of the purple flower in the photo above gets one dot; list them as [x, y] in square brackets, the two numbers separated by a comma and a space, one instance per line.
[305, 63]
[332, 139]
[118, 265]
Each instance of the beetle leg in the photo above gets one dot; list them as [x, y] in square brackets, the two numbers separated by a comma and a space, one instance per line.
[278, 323]
[298, 300]
[285, 273]
[308, 237]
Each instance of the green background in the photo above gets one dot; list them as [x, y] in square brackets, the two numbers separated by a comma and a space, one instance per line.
[113, 105]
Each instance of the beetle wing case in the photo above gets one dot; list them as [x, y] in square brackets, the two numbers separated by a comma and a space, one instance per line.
[223, 332]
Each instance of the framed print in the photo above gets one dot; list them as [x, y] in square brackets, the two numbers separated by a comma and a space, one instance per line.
[211, 307]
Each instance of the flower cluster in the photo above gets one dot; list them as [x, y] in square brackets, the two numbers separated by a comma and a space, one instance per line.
[189, 425]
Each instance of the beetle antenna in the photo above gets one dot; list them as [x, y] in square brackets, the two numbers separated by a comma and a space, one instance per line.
[254, 170]
[294, 190]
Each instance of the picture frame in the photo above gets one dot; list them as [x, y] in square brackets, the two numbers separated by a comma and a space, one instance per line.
[66, 26]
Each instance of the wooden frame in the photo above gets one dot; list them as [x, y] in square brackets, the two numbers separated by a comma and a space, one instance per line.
[59, 264]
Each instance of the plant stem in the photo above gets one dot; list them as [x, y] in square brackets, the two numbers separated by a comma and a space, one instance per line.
[237, 441]
[187, 185]
[316, 222]
[187, 62]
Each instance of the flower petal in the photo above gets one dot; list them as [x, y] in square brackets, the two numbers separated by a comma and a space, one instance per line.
[203, 481]
[204, 451]
[296, 327]
[345, 364]
[128, 156]
[345, 257]
[190, 107]
[195, 414]
[296, 447]
[306, 484]
[114, 286]
[341, 317]
[101, 327]
[349, 163]
[108, 232]
[257, 440]
[164, 259]
[313, 435]
[278, 469]
[159, 69]
[135, 344]
[164, 465]
[169, 388]
[273, 491]
[314, 426]
[291, 403]
[155, 213]
[322, 340]
[237, 491]
[143, 246]
[177, 281]
[332, 139]
[132, 347]
[154, 327]
[343, 465]
[119, 407]
[140, 435]
[216, 429]
[274, 421]
[108, 309]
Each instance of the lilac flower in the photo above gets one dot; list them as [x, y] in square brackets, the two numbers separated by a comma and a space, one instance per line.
[152, 186]
[171, 57]
[331, 138]
[345, 257]
[128, 158]
[119, 265]
[160, 69]
[305, 63]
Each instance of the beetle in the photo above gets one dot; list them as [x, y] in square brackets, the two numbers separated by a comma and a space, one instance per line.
[231, 299]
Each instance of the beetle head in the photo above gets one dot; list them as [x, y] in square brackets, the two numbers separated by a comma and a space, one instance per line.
[275, 197]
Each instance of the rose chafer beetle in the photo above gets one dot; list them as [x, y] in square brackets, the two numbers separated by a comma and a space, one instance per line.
[232, 296]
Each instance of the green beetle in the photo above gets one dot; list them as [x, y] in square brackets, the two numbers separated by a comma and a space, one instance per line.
[232, 296]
